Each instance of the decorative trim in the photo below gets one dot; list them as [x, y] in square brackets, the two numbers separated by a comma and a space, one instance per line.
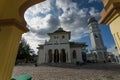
[14, 22]
[107, 15]
[118, 36]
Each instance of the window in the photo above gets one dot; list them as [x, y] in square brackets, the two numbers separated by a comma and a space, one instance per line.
[63, 37]
[54, 37]
[96, 36]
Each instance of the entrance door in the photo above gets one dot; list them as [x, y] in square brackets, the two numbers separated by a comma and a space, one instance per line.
[84, 57]
[56, 56]
[50, 56]
[63, 56]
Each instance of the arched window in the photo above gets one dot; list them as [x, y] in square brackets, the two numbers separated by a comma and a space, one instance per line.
[63, 37]
[74, 54]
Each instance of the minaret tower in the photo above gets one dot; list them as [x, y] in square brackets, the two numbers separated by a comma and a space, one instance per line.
[98, 48]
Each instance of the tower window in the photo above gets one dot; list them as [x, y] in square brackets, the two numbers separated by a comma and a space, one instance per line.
[96, 36]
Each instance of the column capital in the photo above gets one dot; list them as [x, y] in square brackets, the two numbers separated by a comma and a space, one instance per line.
[21, 26]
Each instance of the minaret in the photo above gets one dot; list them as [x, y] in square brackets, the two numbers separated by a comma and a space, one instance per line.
[98, 48]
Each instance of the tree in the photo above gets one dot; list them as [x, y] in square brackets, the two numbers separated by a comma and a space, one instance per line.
[23, 51]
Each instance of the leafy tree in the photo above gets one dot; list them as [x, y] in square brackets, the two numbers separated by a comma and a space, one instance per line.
[23, 51]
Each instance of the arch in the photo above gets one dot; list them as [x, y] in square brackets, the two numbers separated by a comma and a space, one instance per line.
[96, 56]
[74, 54]
[84, 57]
[49, 56]
[100, 56]
[63, 56]
[25, 6]
[56, 56]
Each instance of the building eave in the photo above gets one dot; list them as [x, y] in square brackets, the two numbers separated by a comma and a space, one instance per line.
[107, 15]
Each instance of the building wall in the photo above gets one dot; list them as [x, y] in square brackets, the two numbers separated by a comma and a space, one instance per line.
[78, 55]
[101, 55]
[115, 29]
[58, 38]
[41, 56]
[59, 47]
[116, 57]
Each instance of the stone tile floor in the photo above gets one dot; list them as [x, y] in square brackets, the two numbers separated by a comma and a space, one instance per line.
[96, 71]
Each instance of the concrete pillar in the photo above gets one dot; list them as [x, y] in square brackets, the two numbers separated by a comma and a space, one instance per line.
[12, 25]
[10, 36]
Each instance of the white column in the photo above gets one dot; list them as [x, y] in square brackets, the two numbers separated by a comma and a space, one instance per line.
[69, 56]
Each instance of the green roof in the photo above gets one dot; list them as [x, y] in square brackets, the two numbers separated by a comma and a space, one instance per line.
[59, 30]
[78, 44]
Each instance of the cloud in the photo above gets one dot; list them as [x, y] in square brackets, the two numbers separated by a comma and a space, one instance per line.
[49, 15]
[94, 12]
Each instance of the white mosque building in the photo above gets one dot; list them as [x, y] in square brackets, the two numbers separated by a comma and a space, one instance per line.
[60, 50]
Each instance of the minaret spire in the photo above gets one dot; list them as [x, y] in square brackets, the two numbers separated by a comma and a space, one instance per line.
[98, 48]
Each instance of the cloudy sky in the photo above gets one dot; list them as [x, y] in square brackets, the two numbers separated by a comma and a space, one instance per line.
[71, 15]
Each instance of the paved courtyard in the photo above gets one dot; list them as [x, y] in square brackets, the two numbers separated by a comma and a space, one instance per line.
[70, 72]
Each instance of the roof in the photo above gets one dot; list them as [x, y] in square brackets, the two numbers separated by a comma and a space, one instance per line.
[78, 44]
[59, 30]
[40, 47]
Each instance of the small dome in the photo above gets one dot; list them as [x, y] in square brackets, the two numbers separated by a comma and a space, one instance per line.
[59, 30]
[90, 20]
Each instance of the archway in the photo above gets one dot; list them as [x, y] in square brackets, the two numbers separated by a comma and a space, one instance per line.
[12, 26]
[56, 56]
[84, 57]
[95, 55]
[50, 56]
[63, 56]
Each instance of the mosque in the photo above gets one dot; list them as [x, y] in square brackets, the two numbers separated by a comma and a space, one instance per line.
[60, 50]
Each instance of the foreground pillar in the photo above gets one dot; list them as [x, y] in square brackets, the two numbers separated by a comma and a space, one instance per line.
[10, 36]
[111, 15]
[12, 25]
